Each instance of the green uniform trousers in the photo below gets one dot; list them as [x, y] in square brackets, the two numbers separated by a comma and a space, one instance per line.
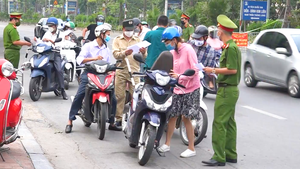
[13, 56]
[224, 126]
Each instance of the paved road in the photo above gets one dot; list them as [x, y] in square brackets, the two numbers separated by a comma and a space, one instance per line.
[267, 120]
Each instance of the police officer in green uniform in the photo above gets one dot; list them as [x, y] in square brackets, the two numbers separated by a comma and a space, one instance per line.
[11, 40]
[229, 74]
[187, 29]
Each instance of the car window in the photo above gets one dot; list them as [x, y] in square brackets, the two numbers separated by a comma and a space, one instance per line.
[281, 42]
[45, 21]
[296, 38]
[266, 39]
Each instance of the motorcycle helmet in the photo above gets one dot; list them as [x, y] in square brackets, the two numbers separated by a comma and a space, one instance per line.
[200, 31]
[172, 22]
[212, 31]
[136, 22]
[170, 33]
[52, 20]
[102, 29]
[70, 25]
[100, 18]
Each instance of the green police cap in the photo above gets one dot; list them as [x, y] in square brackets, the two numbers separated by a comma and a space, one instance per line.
[15, 15]
[144, 23]
[225, 23]
[128, 25]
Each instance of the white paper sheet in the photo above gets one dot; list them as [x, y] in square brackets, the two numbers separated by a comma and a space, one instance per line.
[200, 66]
[136, 47]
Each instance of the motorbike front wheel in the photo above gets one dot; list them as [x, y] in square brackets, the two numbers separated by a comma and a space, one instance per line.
[147, 145]
[199, 131]
[101, 109]
[34, 90]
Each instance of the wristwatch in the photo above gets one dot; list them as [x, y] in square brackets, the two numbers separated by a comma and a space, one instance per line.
[213, 71]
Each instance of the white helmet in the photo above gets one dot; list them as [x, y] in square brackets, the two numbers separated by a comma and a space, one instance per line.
[102, 29]
[212, 31]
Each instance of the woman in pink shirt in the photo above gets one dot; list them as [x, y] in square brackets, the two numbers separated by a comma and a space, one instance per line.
[185, 104]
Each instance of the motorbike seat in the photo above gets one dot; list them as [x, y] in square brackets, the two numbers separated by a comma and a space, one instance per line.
[163, 62]
[16, 90]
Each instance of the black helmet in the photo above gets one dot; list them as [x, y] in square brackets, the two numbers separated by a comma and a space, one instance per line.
[136, 22]
[200, 31]
[100, 18]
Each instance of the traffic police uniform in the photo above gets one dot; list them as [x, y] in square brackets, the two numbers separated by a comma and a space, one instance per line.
[119, 47]
[224, 125]
[10, 35]
[187, 31]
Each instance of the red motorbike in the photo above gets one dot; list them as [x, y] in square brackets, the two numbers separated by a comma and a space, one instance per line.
[97, 103]
[10, 102]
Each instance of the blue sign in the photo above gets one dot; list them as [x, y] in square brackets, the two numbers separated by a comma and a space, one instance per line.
[254, 10]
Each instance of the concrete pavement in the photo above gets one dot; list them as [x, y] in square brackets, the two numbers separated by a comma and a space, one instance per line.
[267, 120]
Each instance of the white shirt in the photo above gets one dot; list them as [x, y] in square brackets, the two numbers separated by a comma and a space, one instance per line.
[143, 33]
[49, 35]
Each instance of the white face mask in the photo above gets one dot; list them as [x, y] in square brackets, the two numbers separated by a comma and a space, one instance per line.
[199, 42]
[128, 33]
[51, 29]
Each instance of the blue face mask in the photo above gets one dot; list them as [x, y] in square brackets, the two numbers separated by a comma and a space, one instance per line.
[170, 47]
[68, 20]
[107, 38]
[99, 23]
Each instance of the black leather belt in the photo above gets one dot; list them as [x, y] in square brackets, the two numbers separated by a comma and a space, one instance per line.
[225, 85]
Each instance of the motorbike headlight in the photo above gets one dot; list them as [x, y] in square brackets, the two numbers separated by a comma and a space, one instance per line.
[43, 62]
[92, 83]
[100, 69]
[154, 106]
[162, 80]
[40, 49]
[7, 69]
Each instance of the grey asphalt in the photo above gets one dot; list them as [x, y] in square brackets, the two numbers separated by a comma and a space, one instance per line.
[267, 120]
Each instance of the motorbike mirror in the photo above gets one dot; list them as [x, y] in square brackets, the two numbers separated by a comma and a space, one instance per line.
[58, 40]
[139, 57]
[189, 72]
[80, 38]
[26, 66]
[27, 39]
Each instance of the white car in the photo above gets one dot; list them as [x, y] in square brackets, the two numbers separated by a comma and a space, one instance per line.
[42, 27]
[274, 57]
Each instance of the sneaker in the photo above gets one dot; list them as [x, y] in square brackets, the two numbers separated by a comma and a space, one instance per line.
[188, 153]
[164, 148]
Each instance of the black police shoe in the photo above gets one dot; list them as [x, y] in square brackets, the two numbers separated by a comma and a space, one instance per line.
[64, 94]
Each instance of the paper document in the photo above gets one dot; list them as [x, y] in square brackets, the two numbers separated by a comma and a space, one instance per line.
[136, 47]
[199, 66]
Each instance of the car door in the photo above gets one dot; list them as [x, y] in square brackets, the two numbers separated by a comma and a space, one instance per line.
[261, 56]
[279, 62]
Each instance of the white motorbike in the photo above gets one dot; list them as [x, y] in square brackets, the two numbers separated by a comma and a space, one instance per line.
[68, 53]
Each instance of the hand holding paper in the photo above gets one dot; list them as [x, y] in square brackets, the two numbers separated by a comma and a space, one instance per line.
[199, 66]
[136, 47]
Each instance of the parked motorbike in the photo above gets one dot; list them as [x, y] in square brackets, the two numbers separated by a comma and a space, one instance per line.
[200, 126]
[68, 53]
[10, 103]
[96, 107]
[43, 76]
[151, 102]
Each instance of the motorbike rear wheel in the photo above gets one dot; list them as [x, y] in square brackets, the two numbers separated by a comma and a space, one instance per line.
[101, 109]
[34, 91]
[147, 146]
[200, 129]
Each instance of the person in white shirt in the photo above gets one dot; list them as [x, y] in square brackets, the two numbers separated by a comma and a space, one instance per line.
[50, 36]
[140, 29]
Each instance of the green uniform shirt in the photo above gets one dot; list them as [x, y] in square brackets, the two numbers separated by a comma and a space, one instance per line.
[10, 34]
[187, 32]
[231, 59]
[156, 47]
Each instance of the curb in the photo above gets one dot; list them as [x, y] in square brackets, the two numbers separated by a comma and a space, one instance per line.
[33, 149]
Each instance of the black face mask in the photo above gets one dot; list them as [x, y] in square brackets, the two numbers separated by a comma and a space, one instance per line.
[182, 22]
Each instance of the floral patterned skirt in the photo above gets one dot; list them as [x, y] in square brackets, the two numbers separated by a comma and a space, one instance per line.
[187, 105]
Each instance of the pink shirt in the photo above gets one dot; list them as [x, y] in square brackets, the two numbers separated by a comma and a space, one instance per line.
[186, 59]
[215, 43]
